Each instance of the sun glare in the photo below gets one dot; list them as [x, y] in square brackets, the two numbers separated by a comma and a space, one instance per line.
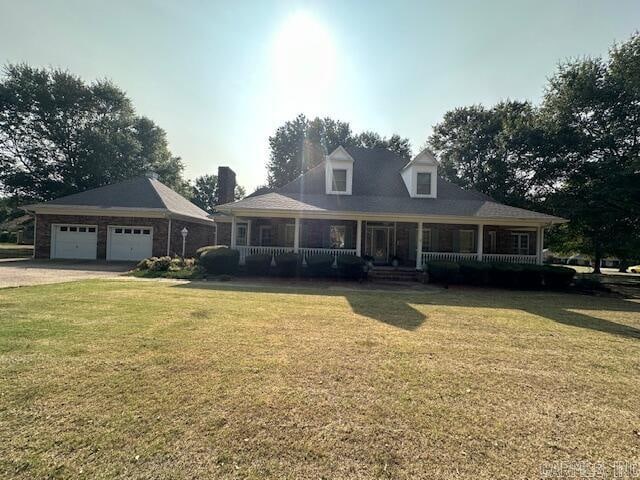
[304, 62]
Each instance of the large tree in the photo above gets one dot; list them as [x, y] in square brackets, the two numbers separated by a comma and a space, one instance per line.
[577, 155]
[60, 135]
[300, 144]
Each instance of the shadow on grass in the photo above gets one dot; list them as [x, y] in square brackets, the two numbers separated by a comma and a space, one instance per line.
[394, 307]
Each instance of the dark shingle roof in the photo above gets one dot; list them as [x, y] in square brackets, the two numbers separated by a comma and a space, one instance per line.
[142, 193]
[378, 188]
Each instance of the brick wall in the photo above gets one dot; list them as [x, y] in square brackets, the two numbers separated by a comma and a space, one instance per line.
[200, 235]
[44, 222]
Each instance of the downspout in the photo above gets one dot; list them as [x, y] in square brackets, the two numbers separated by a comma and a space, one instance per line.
[169, 238]
[35, 230]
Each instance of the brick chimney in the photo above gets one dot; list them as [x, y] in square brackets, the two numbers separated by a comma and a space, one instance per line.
[226, 185]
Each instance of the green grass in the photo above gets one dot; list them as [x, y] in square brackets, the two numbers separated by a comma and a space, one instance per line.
[12, 250]
[132, 379]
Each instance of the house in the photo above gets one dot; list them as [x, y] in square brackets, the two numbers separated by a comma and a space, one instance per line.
[373, 202]
[130, 220]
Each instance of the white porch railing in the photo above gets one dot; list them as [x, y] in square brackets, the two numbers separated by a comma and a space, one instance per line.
[499, 257]
[304, 252]
[486, 257]
[447, 256]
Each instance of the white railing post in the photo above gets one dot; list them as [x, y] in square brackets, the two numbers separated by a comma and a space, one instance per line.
[419, 248]
[296, 235]
[234, 229]
[359, 238]
[539, 245]
[480, 241]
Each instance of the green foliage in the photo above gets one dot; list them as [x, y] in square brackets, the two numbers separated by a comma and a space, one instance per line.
[145, 263]
[60, 135]
[351, 266]
[476, 273]
[443, 271]
[160, 264]
[300, 144]
[204, 192]
[287, 264]
[258, 264]
[219, 260]
[558, 277]
[8, 237]
[506, 275]
[320, 265]
[207, 248]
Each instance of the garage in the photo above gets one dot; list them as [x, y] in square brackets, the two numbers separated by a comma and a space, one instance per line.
[77, 242]
[129, 243]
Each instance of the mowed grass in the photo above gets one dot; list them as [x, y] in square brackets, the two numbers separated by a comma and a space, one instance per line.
[143, 379]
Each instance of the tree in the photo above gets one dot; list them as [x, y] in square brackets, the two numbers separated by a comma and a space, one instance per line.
[60, 135]
[205, 192]
[301, 144]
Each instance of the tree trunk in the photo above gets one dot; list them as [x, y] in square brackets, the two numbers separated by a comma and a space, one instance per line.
[597, 260]
[622, 267]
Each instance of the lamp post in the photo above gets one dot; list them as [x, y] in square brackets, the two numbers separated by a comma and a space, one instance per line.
[184, 233]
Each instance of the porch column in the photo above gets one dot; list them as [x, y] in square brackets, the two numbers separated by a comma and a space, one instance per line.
[480, 241]
[539, 245]
[419, 248]
[248, 233]
[296, 235]
[233, 231]
[359, 238]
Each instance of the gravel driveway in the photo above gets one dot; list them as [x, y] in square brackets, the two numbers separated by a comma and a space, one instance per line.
[21, 272]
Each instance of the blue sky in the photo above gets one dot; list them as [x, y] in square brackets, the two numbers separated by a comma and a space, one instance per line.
[220, 77]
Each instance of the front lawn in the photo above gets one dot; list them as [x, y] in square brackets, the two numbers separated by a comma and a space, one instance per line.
[146, 379]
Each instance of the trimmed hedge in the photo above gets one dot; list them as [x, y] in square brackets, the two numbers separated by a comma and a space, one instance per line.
[443, 271]
[502, 274]
[219, 260]
[476, 273]
[258, 264]
[287, 264]
[351, 266]
[320, 265]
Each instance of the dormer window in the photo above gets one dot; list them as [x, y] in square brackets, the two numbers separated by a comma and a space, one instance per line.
[423, 183]
[339, 180]
[338, 172]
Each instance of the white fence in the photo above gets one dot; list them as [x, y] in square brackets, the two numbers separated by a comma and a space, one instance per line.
[304, 252]
[486, 257]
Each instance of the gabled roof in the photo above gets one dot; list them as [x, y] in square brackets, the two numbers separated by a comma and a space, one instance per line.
[378, 189]
[139, 193]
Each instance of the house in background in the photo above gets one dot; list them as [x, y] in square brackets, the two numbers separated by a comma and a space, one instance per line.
[130, 220]
[373, 202]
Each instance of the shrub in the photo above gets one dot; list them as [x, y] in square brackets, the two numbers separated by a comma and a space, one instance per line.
[558, 277]
[442, 271]
[475, 273]
[531, 276]
[8, 237]
[145, 263]
[320, 265]
[287, 264]
[219, 260]
[160, 264]
[258, 264]
[351, 266]
[505, 274]
[176, 264]
[208, 248]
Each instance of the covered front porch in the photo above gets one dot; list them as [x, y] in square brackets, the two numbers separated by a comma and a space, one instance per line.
[407, 244]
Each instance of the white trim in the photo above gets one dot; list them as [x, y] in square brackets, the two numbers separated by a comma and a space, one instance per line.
[393, 217]
[339, 159]
[169, 239]
[419, 246]
[480, 244]
[35, 231]
[359, 238]
[296, 235]
[88, 211]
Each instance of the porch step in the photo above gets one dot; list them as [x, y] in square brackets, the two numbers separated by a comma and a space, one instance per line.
[392, 274]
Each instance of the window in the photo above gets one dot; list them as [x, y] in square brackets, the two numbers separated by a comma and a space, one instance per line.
[63, 229]
[520, 243]
[339, 183]
[73, 229]
[337, 234]
[136, 231]
[146, 231]
[127, 230]
[467, 238]
[265, 235]
[82, 229]
[426, 240]
[423, 184]
[241, 234]
[92, 229]
[118, 230]
[289, 234]
[492, 242]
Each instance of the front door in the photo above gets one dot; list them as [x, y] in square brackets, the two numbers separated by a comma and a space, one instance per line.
[379, 244]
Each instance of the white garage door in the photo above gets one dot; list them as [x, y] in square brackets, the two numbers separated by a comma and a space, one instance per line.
[129, 243]
[74, 241]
